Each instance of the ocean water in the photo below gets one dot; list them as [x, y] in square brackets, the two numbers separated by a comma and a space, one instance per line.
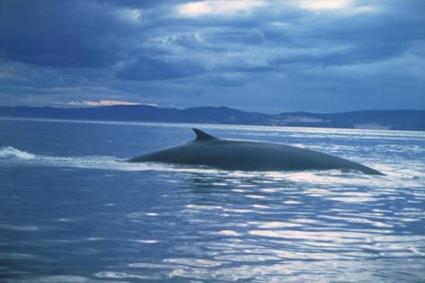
[72, 211]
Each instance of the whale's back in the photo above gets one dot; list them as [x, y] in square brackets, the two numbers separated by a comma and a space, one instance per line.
[251, 156]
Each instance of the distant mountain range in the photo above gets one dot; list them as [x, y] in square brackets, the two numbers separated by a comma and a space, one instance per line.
[369, 119]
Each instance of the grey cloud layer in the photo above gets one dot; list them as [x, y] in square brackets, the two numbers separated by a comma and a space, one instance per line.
[147, 51]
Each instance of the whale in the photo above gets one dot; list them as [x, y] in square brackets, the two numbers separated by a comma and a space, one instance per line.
[242, 155]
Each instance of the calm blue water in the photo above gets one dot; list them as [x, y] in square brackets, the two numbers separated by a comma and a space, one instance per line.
[72, 211]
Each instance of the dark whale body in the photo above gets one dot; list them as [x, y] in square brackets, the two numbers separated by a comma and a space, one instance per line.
[249, 156]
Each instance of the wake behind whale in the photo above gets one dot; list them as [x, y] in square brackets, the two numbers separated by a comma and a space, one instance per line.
[250, 156]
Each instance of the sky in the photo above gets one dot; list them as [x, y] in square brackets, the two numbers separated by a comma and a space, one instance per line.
[256, 55]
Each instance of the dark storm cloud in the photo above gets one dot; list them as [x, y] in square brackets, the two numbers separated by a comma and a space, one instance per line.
[146, 69]
[60, 33]
[185, 53]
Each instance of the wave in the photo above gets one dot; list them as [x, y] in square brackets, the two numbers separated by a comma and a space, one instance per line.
[10, 152]
[12, 155]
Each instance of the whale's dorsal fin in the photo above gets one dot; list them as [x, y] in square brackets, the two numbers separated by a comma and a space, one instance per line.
[202, 136]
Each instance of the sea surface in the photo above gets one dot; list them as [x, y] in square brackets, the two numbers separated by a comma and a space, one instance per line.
[71, 209]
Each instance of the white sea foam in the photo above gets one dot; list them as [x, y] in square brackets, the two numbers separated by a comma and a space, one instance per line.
[10, 152]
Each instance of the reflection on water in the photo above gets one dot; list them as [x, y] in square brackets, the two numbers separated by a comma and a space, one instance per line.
[80, 218]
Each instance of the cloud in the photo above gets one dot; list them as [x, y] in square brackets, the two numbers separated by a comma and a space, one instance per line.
[318, 5]
[149, 69]
[65, 34]
[211, 8]
[272, 54]
[132, 15]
